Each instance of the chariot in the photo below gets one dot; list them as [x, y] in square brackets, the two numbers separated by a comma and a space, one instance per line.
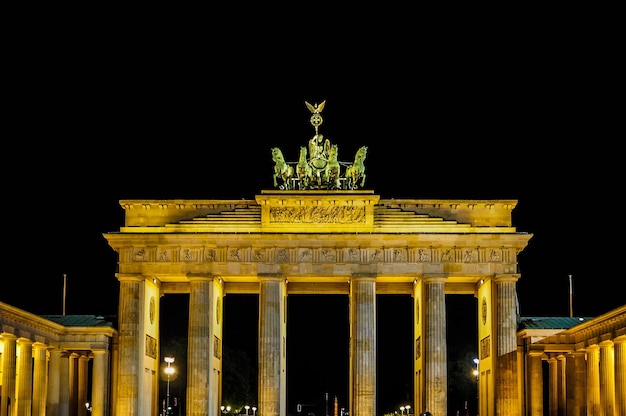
[318, 166]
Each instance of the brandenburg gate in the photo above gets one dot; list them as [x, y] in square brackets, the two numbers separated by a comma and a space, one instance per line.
[317, 234]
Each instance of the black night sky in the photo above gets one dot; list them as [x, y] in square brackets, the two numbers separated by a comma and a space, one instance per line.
[95, 119]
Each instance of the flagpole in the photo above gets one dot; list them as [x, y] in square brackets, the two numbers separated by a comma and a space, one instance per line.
[64, 291]
[571, 308]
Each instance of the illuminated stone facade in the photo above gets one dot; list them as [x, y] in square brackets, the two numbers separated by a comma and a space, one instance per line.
[317, 242]
[586, 366]
[48, 363]
[290, 242]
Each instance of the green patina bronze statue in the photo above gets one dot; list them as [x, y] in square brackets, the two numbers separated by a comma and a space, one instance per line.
[322, 169]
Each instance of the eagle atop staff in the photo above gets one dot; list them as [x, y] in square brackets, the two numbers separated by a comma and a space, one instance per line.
[316, 117]
[315, 108]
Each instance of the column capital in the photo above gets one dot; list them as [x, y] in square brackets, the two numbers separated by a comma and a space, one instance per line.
[512, 277]
[434, 277]
[201, 276]
[269, 277]
[363, 276]
[136, 277]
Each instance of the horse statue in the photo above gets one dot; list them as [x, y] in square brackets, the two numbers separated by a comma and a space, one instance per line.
[303, 170]
[356, 171]
[332, 172]
[282, 169]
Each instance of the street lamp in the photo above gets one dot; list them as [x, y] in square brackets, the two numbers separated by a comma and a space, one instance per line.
[225, 409]
[401, 410]
[408, 409]
[476, 361]
[477, 373]
[253, 411]
[169, 370]
[247, 408]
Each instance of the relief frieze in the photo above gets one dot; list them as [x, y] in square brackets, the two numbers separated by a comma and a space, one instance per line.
[318, 214]
[352, 255]
[189, 255]
[447, 255]
[234, 254]
[281, 255]
[305, 255]
[258, 254]
[399, 255]
[376, 255]
[210, 255]
[495, 255]
[470, 255]
[323, 255]
[423, 255]
[140, 254]
[327, 255]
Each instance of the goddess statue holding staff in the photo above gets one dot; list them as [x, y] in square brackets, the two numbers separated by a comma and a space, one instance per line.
[319, 147]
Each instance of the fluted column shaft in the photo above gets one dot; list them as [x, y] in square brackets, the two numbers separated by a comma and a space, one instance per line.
[506, 386]
[363, 344]
[8, 373]
[39, 378]
[535, 383]
[607, 377]
[82, 383]
[199, 348]
[99, 386]
[562, 383]
[272, 346]
[553, 377]
[54, 368]
[576, 384]
[64, 381]
[620, 374]
[593, 381]
[130, 335]
[435, 346]
[24, 377]
[73, 359]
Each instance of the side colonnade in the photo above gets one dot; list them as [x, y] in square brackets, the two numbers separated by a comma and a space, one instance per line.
[47, 367]
[582, 369]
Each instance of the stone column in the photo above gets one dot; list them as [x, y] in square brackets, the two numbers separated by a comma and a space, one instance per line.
[593, 381]
[435, 345]
[73, 359]
[99, 384]
[130, 339]
[54, 381]
[620, 374]
[607, 377]
[507, 401]
[535, 383]
[562, 382]
[272, 346]
[199, 346]
[65, 379]
[8, 374]
[553, 379]
[576, 384]
[363, 344]
[25, 376]
[82, 383]
[40, 367]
